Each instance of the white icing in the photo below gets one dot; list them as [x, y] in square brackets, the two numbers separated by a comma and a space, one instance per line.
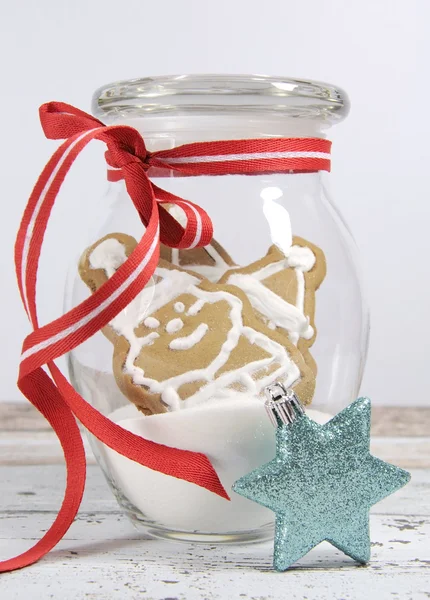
[151, 322]
[301, 257]
[195, 308]
[149, 301]
[172, 284]
[179, 307]
[217, 258]
[174, 325]
[187, 342]
[164, 291]
[108, 255]
[171, 398]
[277, 311]
[270, 269]
[175, 256]
[246, 380]
[211, 273]
[133, 314]
[138, 344]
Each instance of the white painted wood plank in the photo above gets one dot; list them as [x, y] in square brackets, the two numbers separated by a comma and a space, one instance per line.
[41, 487]
[42, 447]
[413, 499]
[34, 448]
[407, 453]
[399, 421]
[27, 488]
[102, 558]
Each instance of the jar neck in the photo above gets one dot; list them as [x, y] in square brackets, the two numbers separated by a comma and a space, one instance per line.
[164, 132]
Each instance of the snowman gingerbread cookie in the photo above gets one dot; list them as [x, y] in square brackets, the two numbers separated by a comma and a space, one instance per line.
[184, 341]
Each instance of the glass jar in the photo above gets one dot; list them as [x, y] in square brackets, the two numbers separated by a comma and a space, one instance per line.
[254, 217]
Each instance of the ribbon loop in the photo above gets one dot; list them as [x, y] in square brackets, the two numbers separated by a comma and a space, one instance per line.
[61, 121]
[197, 230]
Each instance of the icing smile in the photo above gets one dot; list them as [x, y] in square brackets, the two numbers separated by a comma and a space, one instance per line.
[187, 342]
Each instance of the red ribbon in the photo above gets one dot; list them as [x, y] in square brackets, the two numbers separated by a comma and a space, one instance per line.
[128, 158]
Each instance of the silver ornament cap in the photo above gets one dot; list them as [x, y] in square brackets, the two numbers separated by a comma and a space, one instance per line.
[282, 405]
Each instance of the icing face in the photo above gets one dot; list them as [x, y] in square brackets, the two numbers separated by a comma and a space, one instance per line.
[209, 353]
[195, 342]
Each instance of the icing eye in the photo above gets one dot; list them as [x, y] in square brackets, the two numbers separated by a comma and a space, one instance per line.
[151, 322]
[174, 325]
[179, 307]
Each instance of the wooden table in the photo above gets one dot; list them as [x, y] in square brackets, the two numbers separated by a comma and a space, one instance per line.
[102, 556]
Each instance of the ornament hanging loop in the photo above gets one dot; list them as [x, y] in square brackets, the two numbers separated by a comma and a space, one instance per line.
[282, 405]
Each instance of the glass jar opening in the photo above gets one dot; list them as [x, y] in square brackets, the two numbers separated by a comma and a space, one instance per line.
[221, 107]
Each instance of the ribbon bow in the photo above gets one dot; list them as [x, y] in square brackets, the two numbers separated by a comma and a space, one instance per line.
[127, 155]
[129, 159]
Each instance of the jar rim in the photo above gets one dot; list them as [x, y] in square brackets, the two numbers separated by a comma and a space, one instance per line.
[222, 94]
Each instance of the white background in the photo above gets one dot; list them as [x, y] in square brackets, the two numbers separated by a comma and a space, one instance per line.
[377, 51]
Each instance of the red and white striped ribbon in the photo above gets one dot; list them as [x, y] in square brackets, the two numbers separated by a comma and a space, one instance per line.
[128, 159]
[273, 155]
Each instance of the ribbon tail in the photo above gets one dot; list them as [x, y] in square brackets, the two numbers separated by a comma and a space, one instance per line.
[42, 393]
[193, 467]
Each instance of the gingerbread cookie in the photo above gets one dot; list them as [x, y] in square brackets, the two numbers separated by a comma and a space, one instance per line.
[194, 342]
[211, 261]
[282, 289]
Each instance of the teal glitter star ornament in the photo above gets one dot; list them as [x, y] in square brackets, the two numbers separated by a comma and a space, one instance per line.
[323, 480]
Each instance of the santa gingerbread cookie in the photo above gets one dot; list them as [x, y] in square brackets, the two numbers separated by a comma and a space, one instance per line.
[185, 341]
[281, 288]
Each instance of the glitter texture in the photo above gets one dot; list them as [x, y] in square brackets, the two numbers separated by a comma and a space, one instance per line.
[321, 485]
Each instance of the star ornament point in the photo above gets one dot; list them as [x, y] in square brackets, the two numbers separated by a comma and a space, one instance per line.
[321, 485]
